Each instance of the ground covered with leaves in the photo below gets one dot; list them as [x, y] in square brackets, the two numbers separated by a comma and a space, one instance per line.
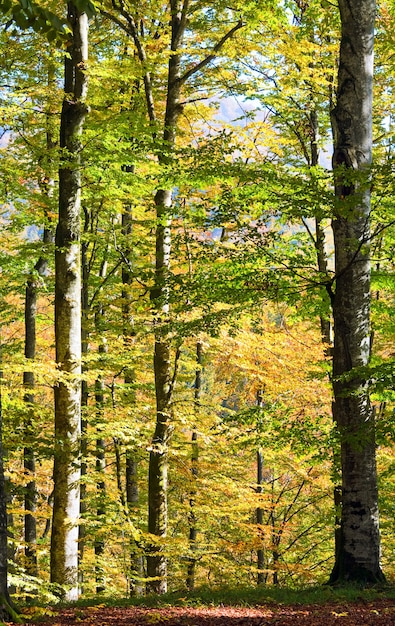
[380, 612]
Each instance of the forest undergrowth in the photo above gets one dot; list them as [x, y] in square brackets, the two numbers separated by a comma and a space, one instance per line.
[282, 606]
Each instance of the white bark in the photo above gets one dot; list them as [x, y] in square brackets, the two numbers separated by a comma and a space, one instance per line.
[358, 556]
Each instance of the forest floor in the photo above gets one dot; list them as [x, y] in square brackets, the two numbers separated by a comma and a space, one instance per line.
[378, 612]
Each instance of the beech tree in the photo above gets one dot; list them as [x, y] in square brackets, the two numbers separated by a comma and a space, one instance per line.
[64, 539]
[358, 554]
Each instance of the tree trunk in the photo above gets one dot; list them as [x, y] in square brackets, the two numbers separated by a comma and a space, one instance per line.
[29, 460]
[85, 273]
[100, 446]
[192, 520]
[100, 484]
[136, 587]
[261, 578]
[64, 539]
[157, 481]
[29, 457]
[7, 612]
[358, 556]
[46, 185]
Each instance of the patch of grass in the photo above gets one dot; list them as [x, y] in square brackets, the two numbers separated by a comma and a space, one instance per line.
[246, 597]
[255, 596]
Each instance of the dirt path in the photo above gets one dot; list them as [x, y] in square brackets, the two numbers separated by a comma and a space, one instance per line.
[379, 613]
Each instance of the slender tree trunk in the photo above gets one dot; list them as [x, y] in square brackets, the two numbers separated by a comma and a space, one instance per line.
[85, 271]
[261, 578]
[100, 485]
[358, 556]
[157, 480]
[325, 322]
[100, 448]
[190, 583]
[29, 457]
[4, 595]
[64, 539]
[7, 612]
[136, 587]
[47, 187]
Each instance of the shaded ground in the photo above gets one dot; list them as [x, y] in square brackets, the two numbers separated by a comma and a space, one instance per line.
[377, 612]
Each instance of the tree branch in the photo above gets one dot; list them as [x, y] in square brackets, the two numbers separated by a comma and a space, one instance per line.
[131, 30]
[199, 66]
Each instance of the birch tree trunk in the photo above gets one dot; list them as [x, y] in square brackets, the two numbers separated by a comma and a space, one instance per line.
[64, 539]
[358, 552]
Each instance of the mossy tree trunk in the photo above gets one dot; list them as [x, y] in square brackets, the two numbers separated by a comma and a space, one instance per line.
[64, 539]
[358, 551]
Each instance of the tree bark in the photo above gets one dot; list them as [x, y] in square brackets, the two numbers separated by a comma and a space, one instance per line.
[47, 186]
[261, 578]
[85, 274]
[29, 459]
[192, 519]
[7, 612]
[100, 447]
[358, 555]
[64, 539]
[100, 484]
[136, 586]
[157, 480]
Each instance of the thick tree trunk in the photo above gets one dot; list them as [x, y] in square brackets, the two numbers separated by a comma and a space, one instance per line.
[358, 555]
[64, 540]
